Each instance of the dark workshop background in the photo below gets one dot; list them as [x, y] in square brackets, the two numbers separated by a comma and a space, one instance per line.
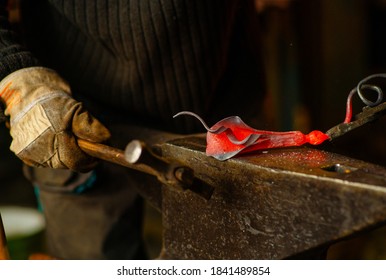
[315, 52]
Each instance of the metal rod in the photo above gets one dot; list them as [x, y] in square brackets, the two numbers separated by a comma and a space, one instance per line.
[113, 155]
[138, 157]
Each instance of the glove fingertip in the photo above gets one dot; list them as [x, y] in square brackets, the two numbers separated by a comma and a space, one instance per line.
[87, 127]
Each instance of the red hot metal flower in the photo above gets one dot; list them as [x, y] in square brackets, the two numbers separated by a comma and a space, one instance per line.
[232, 136]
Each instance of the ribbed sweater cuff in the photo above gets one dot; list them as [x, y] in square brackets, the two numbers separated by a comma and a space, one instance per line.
[16, 61]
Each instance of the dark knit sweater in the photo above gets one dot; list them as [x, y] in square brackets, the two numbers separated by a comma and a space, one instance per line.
[12, 55]
[146, 59]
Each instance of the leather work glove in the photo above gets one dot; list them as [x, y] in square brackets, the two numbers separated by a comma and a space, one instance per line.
[45, 120]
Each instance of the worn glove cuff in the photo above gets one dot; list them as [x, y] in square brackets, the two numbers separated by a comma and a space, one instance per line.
[45, 120]
[23, 88]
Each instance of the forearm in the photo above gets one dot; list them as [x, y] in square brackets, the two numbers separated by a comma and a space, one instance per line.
[13, 56]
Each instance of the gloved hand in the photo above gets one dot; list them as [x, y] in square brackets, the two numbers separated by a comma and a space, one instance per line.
[45, 120]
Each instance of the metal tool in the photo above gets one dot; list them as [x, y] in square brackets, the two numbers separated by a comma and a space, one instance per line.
[368, 114]
[373, 110]
[138, 156]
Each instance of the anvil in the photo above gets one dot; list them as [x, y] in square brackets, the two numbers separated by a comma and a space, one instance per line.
[273, 204]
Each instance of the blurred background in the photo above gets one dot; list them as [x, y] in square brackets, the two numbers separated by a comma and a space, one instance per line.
[315, 52]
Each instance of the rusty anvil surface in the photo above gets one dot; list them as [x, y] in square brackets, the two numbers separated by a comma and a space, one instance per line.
[272, 204]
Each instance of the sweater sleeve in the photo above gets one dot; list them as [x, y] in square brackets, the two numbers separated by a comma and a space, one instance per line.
[13, 56]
